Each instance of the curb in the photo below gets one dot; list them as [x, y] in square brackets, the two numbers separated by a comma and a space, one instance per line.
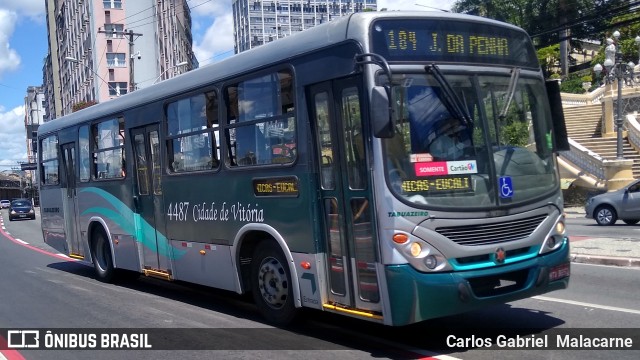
[605, 260]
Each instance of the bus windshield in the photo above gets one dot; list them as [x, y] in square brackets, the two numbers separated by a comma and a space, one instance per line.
[496, 151]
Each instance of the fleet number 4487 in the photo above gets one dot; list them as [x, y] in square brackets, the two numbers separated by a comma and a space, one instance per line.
[178, 211]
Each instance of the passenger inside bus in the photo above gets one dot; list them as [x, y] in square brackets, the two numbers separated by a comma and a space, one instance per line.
[451, 141]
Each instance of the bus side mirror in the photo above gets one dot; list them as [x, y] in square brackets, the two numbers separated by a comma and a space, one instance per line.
[381, 112]
[561, 139]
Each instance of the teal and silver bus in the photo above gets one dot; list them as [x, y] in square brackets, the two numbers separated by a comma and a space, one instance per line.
[389, 166]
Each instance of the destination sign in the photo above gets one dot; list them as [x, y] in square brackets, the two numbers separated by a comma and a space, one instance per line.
[458, 183]
[281, 186]
[446, 40]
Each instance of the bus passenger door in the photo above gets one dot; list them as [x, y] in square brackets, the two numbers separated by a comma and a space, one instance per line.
[70, 202]
[345, 190]
[148, 212]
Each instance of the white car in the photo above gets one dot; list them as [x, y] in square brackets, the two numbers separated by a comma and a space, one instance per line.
[4, 204]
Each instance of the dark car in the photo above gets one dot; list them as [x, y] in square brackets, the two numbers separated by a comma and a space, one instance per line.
[21, 209]
[623, 204]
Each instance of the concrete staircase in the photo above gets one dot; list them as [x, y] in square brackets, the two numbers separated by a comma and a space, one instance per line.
[584, 126]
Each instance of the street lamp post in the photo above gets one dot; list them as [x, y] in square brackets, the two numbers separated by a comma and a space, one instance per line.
[170, 68]
[616, 70]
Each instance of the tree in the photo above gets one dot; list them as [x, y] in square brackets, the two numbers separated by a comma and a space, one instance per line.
[544, 20]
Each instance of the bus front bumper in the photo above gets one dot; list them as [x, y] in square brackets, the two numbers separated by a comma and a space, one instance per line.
[415, 296]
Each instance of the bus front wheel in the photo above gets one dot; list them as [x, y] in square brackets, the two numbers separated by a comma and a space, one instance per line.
[101, 255]
[271, 284]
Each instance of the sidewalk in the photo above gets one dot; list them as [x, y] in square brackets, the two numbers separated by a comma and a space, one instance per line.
[602, 250]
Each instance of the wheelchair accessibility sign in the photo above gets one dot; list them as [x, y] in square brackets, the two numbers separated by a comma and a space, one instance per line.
[506, 187]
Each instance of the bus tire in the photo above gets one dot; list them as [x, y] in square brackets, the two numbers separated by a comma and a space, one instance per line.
[101, 256]
[271, 284]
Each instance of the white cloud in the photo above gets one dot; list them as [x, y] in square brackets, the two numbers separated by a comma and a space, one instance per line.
[9, 58]
[31, 8]
[13, 137]
[216, 41]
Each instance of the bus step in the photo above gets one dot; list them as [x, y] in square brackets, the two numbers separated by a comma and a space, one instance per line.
[351, 311]
[76, 256]
[161, 274]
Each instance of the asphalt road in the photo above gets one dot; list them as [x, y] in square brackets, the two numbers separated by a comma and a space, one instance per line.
[40, 290]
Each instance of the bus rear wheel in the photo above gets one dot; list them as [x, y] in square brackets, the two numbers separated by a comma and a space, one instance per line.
[101, 255]
[271, 284]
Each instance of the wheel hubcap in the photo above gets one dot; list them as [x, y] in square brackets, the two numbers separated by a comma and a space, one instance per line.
[604, 216]
[272, 282]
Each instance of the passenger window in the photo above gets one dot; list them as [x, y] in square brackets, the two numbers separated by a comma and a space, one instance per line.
[49, 166]
[261, 127]
[108, 149]
[192, 133]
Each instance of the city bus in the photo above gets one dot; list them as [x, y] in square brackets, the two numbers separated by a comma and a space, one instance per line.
[389, 166]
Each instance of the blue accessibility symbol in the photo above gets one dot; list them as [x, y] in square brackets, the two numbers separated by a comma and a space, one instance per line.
[506, 187]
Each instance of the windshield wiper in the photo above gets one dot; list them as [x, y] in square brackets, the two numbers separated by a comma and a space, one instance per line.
[451, 100]
[515, 75]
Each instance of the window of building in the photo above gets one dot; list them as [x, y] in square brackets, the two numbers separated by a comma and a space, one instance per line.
[117, 88]
[108, 149]
[261, 126]
[112, 4]
[114, 31]
[192, 133]
[116, 60]
[49, 167]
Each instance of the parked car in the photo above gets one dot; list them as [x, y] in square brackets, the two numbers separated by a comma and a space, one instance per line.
[623, 204]
[4, 204]
[21, 209]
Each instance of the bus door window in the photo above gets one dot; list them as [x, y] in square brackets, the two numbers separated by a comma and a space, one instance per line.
[327, 178]
[365, 250]
[69, 178]
[335, 251]
[154, 142]
[141, 164]
[85, 154]
[354, 141]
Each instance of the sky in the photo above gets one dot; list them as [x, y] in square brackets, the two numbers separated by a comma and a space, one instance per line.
[23, 48]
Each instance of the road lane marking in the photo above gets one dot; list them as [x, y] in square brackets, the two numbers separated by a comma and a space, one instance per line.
[595, 306]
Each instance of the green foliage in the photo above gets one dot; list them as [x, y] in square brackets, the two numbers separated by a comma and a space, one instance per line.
[573, 83]
[548, 57]
[516, 134]
[82, 104]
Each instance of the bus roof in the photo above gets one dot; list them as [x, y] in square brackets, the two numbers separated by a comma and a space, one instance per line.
[349, 27]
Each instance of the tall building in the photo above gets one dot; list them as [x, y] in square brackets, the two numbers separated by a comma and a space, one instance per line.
[99, 50]
[258, 22]
[34, 115]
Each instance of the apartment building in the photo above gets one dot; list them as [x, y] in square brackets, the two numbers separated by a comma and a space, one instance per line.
[258, 22]
[100, 50]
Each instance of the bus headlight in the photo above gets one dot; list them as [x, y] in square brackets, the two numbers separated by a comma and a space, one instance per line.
[420, 254]
[555, 238]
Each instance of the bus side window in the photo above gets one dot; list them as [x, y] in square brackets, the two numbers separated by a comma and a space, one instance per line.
[192, 127]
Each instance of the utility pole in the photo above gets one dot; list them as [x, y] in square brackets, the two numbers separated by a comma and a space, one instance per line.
[131, 34]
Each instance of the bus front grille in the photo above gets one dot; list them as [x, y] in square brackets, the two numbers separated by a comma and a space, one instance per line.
[492, 233]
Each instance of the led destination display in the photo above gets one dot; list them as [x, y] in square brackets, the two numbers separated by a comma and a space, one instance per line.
[445, 40]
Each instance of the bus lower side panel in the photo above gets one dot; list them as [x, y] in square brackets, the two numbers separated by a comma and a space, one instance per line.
[203, 263]
[416, 296]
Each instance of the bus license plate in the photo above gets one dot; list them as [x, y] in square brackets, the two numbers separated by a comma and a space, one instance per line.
[559, 272]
